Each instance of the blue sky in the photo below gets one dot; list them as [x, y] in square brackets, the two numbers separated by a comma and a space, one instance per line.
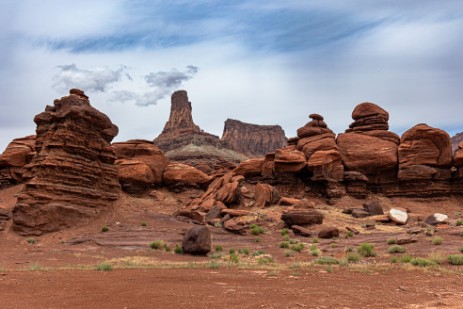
[264, 62]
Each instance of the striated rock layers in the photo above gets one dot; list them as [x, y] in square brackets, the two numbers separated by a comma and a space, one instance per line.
[183, 141]
[17, 154]
[252, 139]
[456, 140]
[72, 178]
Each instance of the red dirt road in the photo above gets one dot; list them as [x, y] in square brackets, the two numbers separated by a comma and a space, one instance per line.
[207, 288]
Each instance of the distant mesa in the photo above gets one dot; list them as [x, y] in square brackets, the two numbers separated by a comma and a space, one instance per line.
[183, 141]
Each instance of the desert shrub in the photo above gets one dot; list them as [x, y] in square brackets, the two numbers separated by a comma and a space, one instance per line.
[315, 252]
[405, 259]
[327, 260]
[244, 251]
[218, 225]
[353, 257]
[437, 240]
[396, 249]
[294, 241]
[315, 240]
[104, 267]
[391, 241]
[166, 247]
[256, 230]
[178, 249]
[218, 248]
[421, 262]
[455, 259]
[394, 259]
[461, 233]
[231, 251]
[234, 258]
[266, 259]
[297, 247]
[105, 229]
[32, 241]
[366, 250]
[157, 244]
[437, 257]
[214, 265]
[257, 239]
[143, 223]
[284, 245]
[460, 249]
[459, 222]
[289, 253]
[348, 249]
[284, 232]
[349, 234]
[258, 252]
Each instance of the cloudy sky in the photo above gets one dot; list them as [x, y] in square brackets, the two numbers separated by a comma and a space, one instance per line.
[264, 62]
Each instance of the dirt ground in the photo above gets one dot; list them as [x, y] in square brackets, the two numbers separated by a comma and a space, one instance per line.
[59, 270]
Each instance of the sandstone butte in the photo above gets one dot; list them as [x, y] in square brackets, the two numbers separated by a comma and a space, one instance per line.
[72, 173]
[185, 142]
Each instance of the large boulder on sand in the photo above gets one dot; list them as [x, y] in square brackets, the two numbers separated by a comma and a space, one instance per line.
[185, 174]
[197, 240]
[302, 217]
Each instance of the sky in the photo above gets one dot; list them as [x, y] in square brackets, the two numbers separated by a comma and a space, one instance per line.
[263, 62]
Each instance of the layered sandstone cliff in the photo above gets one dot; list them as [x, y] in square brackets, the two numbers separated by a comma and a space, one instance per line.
[72, 178]
[17, 154]
[456, 140]
[252, 139]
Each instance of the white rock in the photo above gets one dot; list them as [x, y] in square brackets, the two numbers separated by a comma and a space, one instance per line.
[398, 216]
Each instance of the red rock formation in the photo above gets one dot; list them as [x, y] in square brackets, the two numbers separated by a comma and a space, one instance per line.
[17, 154]
[456, 140]
[183, 141]
[252, 139]
[140, 164]
[184, 174]
[72, 178]
[368, 148]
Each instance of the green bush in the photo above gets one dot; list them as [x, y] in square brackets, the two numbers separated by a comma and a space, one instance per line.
[349, 234]
[214, 265]
[437, 240]
[258, 252]
[157, 244]
[216, 255]
[455, 259]
[315, 252]
[315, 240]
[32, 241]
[460, 249]
[327, 260]
[244, 251]
[297, 247]
[256, 230]
[231, 251]
[366, 250]
[459, 222]
[234, 258]
[353, 257]
[289, 253]
[405, 259]
[421, 262]
[394, 259]
[461, 233]
[396, 249]
[284, 232]
[257, 239]
[178, 249]
[218, 248]
[284, 244]
[391, 241]
[263, 260]
[105, 229]
[104, 267]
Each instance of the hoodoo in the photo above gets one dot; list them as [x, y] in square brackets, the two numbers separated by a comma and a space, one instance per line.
[72, 178]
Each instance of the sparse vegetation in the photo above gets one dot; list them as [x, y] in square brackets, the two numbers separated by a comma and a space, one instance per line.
[36, 267]
[437, 257]
[349, 234]
[459, 222]
[105, 229]
[396, 249]
[243, 251]
[394, 259]
[315, 240]
[104, 267]
[234, 258]
[421, 262]
[353, 257]
[256, 229]
[143, 223]
[214, 265]
[216, 255]
[294, 241]
[289, 253]
[284, 231]
[284, 245]
[257, 239]
[157, 244]
[231, 251]
[366, 250]
[461, 233]
[218, 225]
[218, 248]
[315, 252]
[327, 260]
[405, 259]
[437, 240]
[455, 259]
[178, 249]
[297, 247]
[31, 241]
[460, 249]
[266, 259]
[286, 237]
[391, 241]
[258, 252]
